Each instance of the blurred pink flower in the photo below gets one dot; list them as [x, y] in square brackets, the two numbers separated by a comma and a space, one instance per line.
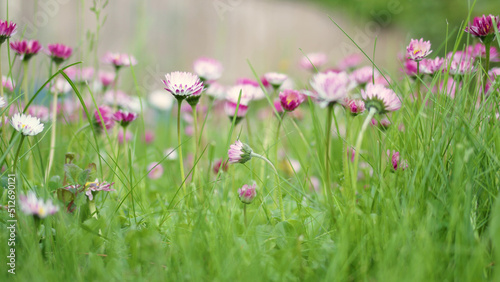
[208, 69]
[91, 188]
[396, 162]
[26, 49]
[350, 61]
[355, 106]
[364, 75]
[155, 170]
[220, 164]
[149, 136]
[107, 120]
[332, 87]
[119, 60]
[247, 193]
[124, 118]
[40, 112]
[7, 29]
[431, 66]
[418, 49]
[275, 79]
[31, 205]
[106, 78]
[277, 106]
[128, 136]
[7, 84]
[59, 52]
[382, 99]
[312, 60]
[291, 99]
[80, 75]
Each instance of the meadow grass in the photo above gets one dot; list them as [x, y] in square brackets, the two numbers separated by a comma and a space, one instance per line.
[436, 220]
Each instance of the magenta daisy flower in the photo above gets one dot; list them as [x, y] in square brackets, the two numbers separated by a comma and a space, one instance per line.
[332, 87]
[107, 120]
[26, 49]
[482, 27]
[418, 49]
[7, 29]
[183, 84]
[220, 164]
[106, 78]
[230, 109]
[124, 118]
[382, 99]
[119, 60]
[247, 193]
[208, 69]
[239, 153]
[59, 52]
[291, 99]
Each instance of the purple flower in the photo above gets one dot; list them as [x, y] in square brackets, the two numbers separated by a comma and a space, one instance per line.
[107, 120]
[106, 78]
[31, 205]
[291, 99]
[124, 118]
[183, 84]
[239, 153]
[364, 75]
[26, 49]
[382, 99]
[7, 29]
[482, 27]
[247, 193]
[418, 49]
[59, 52]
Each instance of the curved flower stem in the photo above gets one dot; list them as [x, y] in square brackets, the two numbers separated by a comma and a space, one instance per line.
[179, 141]
[328, 131]
[4, 128]
[486, 70]
[93, 209]
[17, 154]
[25, 82]
[52, 135]
[245, 214]
[279, 194]
[195, 120]
[354, 176]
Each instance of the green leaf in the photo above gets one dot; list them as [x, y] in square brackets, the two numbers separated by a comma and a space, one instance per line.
[72, 172]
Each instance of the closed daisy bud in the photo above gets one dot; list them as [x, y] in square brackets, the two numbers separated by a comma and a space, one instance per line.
[239, 153]
[247, 193]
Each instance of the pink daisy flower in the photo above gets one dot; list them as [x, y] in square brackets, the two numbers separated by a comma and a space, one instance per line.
[483, 28]
[239, 153]
[332, 87]
[418, 49]
[119, 60]
[291, 99]
[183, 84]
[312, 60]
[382, 99]
[26, 49]
[124, 118]
[39, 208]
[155, 170]
[208, 69]
[7, 29]
[59, 52]
[107, 120]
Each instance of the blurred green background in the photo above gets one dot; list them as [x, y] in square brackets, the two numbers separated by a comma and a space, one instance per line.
[419, 18]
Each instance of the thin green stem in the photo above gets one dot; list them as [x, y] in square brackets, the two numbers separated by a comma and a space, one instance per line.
[17, 153]
[245, 214]
[179, 141]
[328, 131]
[196, 141]
[25, 82]
[53, 135]
[418, 83]
[486, 70]
[279, 194]
[354, 176]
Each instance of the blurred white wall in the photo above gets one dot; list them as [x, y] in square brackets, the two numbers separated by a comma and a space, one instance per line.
[167, 35]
